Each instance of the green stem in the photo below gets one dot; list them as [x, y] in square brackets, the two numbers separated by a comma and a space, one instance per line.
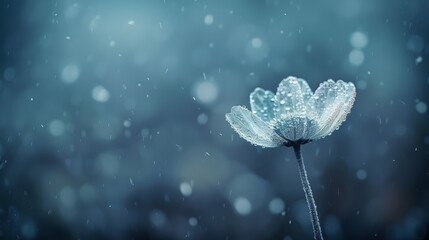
[308, 193]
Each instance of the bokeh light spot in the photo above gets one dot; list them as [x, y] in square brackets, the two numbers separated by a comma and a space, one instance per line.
[70, 73]
[100, 94]
[243, 206]
[356, 57]
[208, 19]
[358, 40]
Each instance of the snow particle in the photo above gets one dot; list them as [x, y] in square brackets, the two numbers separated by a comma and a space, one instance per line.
[185, 189]
[100, 94]
[70, 73]
[208, 19]
[242, 206]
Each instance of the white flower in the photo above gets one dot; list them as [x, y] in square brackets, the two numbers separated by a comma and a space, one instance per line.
[294, 115]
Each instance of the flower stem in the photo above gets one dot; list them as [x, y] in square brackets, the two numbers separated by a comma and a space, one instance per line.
[308, 193]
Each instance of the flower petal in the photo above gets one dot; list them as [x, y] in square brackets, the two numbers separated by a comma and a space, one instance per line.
[290, 99]
[345, 106]
[305, 89]
[330, 105]
[292, 128]
[316, 106]
[312, 128]
[252, 128]
[263, 104]
[291, 96]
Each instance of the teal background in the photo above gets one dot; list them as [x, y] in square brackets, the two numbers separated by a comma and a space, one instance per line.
[112, 119]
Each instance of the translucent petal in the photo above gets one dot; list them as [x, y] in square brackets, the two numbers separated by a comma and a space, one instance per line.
[329, 105]
[345, 107]
[305, 89]
[336, 98]
[312, 128]
[292, 128]
[252, 128]
[290, 99]
[263, 104]
[317, 103]
[291, 115]
[315, 107]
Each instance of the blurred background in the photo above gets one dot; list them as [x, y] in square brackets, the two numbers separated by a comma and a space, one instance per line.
[112, 119]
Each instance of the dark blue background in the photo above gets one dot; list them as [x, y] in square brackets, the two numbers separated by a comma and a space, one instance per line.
[112, 119]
